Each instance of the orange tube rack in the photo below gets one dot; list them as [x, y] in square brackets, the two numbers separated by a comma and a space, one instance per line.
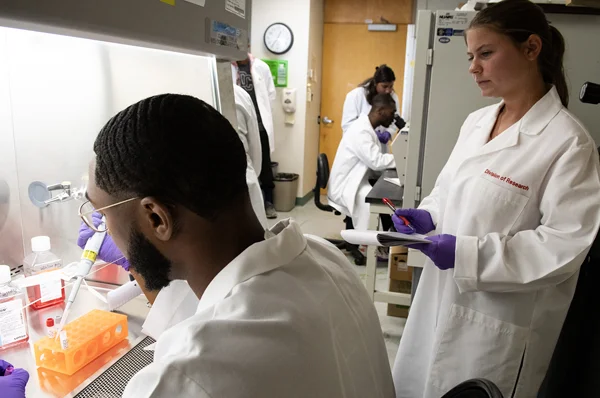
[88, 337]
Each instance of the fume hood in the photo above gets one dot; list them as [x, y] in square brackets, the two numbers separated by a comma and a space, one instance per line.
[67, 67]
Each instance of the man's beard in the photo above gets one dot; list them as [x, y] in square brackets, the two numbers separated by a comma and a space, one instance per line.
[146, 260]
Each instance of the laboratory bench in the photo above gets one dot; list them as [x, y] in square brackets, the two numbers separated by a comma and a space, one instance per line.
[383, 189]
[45, 383]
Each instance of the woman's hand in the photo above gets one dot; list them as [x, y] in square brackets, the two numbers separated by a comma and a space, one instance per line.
[419, 219]
[441, 250]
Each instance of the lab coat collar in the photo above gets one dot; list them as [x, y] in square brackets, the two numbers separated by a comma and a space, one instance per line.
[366, 124]
[490, 117]
[533, 123]
[507, 139]
[282, 244]
[536, 119]
[541, 114]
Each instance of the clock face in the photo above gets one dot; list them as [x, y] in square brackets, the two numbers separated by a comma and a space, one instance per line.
[279, 38]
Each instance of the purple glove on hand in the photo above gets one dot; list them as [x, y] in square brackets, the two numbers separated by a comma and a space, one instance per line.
[384, 136]
[109, 252]
[12, 381]
[441, 250]
[419, 219]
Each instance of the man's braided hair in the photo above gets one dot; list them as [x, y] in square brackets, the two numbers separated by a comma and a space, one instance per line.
[175, 148]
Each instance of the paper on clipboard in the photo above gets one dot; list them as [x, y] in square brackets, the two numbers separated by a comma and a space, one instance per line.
[395, 181]
[377, 238]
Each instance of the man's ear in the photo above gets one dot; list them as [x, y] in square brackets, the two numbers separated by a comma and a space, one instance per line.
[159, 218]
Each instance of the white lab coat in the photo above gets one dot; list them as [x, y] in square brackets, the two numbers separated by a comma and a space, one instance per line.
[356, 105]
[359, 151]
[265, 93]
[248, 133]
[525, 208]
[173, 304]
[289, 317]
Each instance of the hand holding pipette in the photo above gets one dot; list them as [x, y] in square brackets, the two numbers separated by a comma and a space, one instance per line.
[88, 258]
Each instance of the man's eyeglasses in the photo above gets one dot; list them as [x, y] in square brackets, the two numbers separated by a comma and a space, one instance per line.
[86, 211]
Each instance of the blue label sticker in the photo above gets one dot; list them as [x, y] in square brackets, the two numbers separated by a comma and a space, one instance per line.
[444, 40]
[226, 35]
[445, 31]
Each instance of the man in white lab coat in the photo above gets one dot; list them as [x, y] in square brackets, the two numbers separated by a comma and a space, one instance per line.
[254, 76]
[248, 132]
[279, 315]
[359, 153]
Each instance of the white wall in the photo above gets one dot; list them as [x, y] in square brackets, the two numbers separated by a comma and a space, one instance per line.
[291, 141]
[438, 4]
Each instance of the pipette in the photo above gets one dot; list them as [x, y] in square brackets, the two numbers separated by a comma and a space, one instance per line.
[88, 258]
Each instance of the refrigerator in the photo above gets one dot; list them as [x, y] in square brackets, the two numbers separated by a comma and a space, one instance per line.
[442, 93]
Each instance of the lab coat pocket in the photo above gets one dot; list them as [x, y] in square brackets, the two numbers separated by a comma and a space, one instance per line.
[495, 208]
[475, 345]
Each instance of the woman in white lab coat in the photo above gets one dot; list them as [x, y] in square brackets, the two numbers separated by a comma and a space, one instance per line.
[358, 101]
[512, 216]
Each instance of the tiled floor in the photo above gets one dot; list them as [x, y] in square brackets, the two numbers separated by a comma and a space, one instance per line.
[327, 225]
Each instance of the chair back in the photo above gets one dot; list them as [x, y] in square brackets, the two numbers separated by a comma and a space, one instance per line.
[475, 388]
[322, 171]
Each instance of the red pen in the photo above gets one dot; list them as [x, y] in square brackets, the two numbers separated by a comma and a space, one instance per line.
[393, 208]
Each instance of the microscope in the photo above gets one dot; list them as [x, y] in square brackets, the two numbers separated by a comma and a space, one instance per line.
[590, 93]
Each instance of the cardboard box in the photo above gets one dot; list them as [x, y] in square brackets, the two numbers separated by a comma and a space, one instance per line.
[400, 286]
[399, 311]
[398, 250]
[399, 270]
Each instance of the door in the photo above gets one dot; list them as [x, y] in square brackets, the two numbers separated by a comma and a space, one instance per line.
[350, 55]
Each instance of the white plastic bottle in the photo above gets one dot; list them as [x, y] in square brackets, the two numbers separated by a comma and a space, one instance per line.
[13, 319]
[43, 260]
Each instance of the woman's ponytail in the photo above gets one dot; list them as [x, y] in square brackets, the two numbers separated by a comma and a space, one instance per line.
[552, 65]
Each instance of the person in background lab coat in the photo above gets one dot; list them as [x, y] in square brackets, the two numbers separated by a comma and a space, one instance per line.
[358, 153]
[358, 101]
[249, 134]
[254, 76]
[512, 216]
[279, 313]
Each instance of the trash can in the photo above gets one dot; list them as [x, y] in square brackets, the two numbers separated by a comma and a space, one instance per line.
[274, 166]
[284, 194]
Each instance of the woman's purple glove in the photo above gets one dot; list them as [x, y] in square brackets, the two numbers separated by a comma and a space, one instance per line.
[12, 381]
[419, 219]
[441, 250]
[384, 136]
[109, 252]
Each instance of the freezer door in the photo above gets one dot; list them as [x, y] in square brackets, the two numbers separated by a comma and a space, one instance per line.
[453, 94]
